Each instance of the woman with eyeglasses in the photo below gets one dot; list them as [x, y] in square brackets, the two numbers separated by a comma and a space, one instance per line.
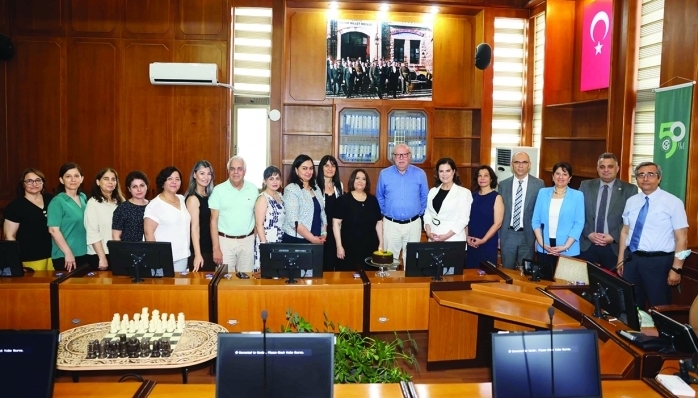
[332, 189]
[558, 217]
[127, 223]
[448, 205]
[66, 214]
[200, 188]
[105, 197]
[25, 221]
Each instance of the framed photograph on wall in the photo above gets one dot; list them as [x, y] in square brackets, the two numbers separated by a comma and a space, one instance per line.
[379, 60]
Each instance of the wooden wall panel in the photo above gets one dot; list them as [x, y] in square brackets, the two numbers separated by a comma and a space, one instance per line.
[36, 117]
[95, 18]
[145, 132]
[152, 18]
[200, 122]
[453, 61]
[559, 39]
[4, 17]
[93, 77]
[307, 51]
[39, 17]
[5, 174]
[203, 19]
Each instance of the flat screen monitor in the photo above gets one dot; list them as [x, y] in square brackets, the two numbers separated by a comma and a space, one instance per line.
[28, 361]
[616, 295]
[681, 336]
[10, 263]
[297, 365]
[141, 259]
[538, 270]
[435, 259]
[290, 260]
[521, 364]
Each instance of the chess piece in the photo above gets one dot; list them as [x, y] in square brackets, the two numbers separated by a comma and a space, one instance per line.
[103, 349]
[152, 326]
[145, 349]
[180, 322]
[156, 349]
[163, 317]
[123, 352]
[156, 314]
[91, 354]
[145, 311]
[124, 325]
[165, 347]
[114, 327]
[133, 347]
[113, 350]
[136, 317]
[171, 324]
[160, 327]
[131, 327]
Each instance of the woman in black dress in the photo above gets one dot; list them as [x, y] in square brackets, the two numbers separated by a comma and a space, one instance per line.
[200, 188]
[332, 189]
[127, 222]
[357, 224]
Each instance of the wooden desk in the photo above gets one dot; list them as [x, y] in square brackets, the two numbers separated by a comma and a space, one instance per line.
[610, 388]
[400, 303]
[93, 299]
[26, 301]
[337, 294]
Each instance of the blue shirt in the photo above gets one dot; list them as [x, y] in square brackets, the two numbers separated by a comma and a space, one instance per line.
[665, 215]
[402, 196]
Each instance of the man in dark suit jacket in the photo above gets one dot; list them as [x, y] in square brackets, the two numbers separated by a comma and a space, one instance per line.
[516, 237]
[599, 242]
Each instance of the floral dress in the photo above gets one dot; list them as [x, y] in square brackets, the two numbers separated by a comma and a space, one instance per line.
[273, 221]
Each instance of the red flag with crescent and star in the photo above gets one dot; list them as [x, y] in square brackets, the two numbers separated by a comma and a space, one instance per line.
[596, 44]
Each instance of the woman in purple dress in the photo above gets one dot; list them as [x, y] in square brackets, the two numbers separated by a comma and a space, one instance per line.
[486, 214]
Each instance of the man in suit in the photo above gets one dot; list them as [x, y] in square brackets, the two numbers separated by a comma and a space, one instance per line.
[519, 192]
[604, 201]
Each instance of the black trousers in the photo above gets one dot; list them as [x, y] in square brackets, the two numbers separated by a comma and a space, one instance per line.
[602, 255]
[649, 277]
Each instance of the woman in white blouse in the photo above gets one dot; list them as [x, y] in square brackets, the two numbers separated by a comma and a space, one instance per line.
[166, 217]
[105, 197]
[448, 205]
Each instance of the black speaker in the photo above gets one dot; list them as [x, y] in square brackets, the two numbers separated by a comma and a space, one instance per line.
[483, 56]
[6, 49]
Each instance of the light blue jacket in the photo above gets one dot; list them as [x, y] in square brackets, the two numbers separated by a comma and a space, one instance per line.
[570, 223]
[299, 207]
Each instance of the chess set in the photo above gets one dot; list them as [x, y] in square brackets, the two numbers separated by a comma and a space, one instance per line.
[139, 337]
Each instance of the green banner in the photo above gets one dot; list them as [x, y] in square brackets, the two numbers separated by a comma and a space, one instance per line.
[672, 123]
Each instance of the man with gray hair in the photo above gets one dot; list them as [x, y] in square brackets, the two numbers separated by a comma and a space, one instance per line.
[232, 218]
[652, 245]
[604, 201]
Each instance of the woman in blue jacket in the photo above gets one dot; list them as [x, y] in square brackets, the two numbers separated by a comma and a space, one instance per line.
[558, 217]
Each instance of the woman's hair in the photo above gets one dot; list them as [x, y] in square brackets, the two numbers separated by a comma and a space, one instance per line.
[564, 166]
[136, 175]
[20, 185]
[201, 164]
[164, 174]
[97, 191]
[493, 177]
[450, 162]
[321, 174]
[352, 178]
[269, 172]
[64, 169]
[294, 178]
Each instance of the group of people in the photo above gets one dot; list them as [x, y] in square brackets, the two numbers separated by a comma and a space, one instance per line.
[361, 78]
[641, 235]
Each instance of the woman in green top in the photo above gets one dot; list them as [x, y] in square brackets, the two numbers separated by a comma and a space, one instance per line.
[65, 220]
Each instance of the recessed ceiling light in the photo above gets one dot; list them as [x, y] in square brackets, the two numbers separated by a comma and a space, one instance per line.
[334, 5]
[434, 9]
[384, 7]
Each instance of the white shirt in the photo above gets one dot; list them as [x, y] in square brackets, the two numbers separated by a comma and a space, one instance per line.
[173, 225]
[514, 187]
[666, 214]
[554, 217]
[98, 223]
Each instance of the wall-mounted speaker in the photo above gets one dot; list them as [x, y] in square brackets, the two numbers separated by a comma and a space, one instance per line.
[6, 49]
[483, 56]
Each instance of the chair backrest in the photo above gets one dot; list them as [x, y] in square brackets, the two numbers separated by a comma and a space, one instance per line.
[693, 315]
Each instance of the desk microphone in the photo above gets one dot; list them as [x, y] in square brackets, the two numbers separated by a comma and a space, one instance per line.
[551, 312]
[627, 258]
[264, 344]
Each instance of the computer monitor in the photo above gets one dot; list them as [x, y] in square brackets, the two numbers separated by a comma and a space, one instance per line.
[616, 295]
[28, 361]
[10, 263]
[521, 364]
[141, 259]
[435, 259]
[538, 270]
[297, 365]
[680, 336]
[290, 260]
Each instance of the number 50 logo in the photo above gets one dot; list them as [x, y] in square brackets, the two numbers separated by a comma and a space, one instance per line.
[669, 139]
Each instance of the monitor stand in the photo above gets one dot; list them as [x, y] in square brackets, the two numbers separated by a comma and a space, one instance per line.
[291, 265]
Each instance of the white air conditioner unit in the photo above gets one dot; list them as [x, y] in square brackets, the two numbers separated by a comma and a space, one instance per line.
[183, 74]
[503, 155]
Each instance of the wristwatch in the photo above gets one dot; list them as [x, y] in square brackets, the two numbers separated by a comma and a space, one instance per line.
[677, 270]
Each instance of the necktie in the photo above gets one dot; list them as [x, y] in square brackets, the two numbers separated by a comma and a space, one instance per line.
[639, 224]
[517, 206]
[601, 216]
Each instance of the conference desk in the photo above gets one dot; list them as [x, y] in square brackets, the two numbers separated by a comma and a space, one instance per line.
[610, 389]
[26, 301]
[97, 297]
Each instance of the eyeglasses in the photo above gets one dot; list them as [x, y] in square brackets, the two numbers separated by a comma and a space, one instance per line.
[38, 181]
[521, 162]
[402, 155]
[642, 176]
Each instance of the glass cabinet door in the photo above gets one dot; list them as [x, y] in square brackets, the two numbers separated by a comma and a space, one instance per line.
[359, 133]
[409, 127]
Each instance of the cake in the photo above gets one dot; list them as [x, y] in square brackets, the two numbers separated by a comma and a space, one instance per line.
[382, 257]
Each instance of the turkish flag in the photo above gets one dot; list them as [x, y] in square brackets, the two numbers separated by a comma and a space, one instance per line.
[596, 44]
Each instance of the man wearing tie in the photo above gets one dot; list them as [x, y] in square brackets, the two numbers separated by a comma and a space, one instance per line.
[604, 201]
[519, 193]
[655, 232]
